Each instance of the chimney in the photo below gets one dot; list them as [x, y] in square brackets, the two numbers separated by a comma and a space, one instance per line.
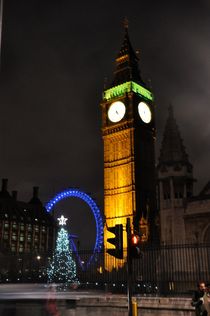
[14, 195]
[35, 199]
[35, 192]
[4, 185]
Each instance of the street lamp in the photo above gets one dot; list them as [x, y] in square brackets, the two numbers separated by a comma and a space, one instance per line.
[38, 257]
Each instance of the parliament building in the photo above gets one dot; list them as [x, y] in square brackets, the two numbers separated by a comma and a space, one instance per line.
[184, 217]
[27, 232]
[157, 198]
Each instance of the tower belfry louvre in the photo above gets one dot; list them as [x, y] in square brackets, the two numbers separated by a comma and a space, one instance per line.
[128, 129]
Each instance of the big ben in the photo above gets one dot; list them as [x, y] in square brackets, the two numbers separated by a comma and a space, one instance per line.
[128, 129]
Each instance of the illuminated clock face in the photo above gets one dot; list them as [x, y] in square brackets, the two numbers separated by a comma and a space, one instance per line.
[144, 112]
[116, 111]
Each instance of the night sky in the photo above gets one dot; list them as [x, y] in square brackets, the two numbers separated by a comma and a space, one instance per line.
[54, 58]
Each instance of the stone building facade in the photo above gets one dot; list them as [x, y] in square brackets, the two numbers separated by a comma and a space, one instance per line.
[27, 232]
[184, 218]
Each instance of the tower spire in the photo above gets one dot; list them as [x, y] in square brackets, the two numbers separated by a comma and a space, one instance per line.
[126, 62]
[175, 182]
[172, 148]
[125, 23]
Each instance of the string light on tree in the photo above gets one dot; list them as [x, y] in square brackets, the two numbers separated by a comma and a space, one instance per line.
[62, 269]
[75, 193]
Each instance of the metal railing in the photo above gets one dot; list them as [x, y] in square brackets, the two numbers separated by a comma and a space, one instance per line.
[162, 270]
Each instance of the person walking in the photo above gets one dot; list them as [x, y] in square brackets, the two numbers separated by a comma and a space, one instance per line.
[51, 304]
[206, 299]
[198, 300]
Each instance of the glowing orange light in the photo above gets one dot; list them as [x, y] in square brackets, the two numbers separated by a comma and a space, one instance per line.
[135, 240]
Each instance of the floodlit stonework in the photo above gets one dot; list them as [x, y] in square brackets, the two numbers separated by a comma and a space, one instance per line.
[184, 218]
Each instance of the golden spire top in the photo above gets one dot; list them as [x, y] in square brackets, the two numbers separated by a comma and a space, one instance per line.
[125, 23]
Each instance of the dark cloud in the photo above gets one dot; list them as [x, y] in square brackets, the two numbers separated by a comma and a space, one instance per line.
[55, 56]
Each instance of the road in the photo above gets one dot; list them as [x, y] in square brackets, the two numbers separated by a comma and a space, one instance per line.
[42, 291]
[36, 299]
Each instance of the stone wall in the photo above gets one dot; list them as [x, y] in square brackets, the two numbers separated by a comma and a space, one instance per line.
[109, 305]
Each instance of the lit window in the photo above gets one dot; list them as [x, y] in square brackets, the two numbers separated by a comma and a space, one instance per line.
[14, 225]
[6, 236]
[22, 237]
[22, 226]
[20, 247]
[14, 236]
[13, 247]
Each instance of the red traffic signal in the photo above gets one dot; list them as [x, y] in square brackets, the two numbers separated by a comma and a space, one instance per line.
[134, 246]
[135, 240]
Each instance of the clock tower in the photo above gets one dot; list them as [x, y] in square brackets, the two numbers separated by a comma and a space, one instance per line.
[128, 128]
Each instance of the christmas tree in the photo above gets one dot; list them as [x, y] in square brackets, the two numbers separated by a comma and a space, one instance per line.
[62, 269]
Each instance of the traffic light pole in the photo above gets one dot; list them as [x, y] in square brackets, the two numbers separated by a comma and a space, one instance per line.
[129, 268]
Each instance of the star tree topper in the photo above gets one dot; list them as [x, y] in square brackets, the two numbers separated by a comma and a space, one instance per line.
[62, 220]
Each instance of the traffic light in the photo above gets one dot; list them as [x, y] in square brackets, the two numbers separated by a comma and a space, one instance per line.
[134, 246]
[116, 241]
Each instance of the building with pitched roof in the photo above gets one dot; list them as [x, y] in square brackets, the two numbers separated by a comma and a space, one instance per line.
[27, 231]
[184, 217]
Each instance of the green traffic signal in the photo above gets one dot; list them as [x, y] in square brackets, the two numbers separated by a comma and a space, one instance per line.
[116, 241]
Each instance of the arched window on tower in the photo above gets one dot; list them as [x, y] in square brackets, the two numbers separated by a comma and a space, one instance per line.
[166, 194]
[178, 194]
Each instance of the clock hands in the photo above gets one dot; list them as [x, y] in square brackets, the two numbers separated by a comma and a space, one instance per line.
[116, 111]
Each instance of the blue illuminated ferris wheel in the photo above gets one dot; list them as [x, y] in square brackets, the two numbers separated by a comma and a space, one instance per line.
[97, 215]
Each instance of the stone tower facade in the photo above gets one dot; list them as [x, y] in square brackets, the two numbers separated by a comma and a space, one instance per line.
[128, 128]
[184, 217]
[175, 183]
